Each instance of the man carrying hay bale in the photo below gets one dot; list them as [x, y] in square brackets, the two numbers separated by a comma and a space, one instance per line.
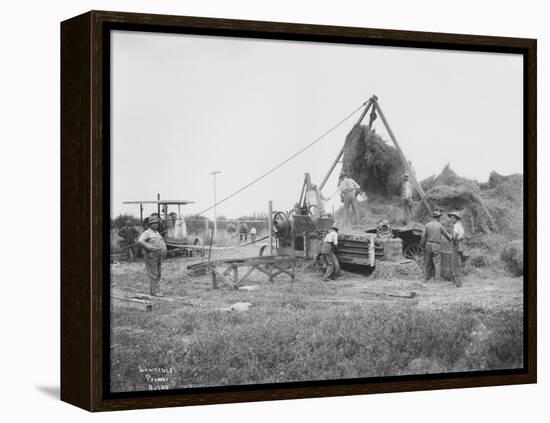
[330, 244]
[431, 243]
[155, 248]
[348, 194]
[406, 198]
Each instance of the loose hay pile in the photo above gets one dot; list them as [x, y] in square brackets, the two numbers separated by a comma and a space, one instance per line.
[448, 192]
[373, 163]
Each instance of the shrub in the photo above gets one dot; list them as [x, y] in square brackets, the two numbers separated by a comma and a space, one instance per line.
[512, 256]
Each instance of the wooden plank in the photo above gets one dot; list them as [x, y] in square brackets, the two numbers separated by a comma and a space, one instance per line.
[131, 303]
[282, 270]
[396, 294]
[264, 271]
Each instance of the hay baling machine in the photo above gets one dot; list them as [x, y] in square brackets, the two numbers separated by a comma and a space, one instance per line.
[300, 232]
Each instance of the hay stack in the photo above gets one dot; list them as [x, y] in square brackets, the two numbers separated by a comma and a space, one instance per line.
[449, 177]
[494, 206]
[475, 216]
[503, 196]
[374, 164]
[448, 192]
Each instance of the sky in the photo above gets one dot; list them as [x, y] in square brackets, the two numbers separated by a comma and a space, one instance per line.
[183, 106]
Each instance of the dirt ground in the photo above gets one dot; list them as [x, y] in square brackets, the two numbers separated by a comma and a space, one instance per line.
[355, 326]
[490, 292]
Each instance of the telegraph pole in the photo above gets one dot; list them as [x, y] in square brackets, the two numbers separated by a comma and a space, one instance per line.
[214, 173]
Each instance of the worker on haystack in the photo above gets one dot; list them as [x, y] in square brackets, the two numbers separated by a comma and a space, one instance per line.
[129, 234]
[348, 194]
[315, 201]
[431, 243]
[406, 198]
[328, 249]
[155, 249]
[457, 243]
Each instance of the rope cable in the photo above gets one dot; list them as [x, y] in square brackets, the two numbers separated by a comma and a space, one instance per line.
[285, 161]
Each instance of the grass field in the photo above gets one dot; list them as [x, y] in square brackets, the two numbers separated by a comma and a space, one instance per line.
[310, 330]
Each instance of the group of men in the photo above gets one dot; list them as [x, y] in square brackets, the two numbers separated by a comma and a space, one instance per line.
[243, 232]
[432, 236]
[430, 241]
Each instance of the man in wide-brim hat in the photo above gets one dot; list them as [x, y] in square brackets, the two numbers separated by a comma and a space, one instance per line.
[458, 241]
[431, 243]
[155, 248]
[328, 248]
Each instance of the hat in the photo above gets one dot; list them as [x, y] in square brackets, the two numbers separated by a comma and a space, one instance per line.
[436, 213]
[385, 222]
[455, 214]
[153, 219]
[406, 176]
[335, 226]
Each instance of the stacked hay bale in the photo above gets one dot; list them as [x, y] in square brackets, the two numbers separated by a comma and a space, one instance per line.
[388, 261]
[393, 249]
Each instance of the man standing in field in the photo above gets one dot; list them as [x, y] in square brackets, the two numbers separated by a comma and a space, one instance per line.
[253, 234]
[155, 248]
[348, 194]
[457, 245]
[431, 243]
[329, 246]
[129, 235]
[406, 198]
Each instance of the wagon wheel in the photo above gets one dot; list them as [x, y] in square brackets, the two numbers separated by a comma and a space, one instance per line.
[414, 252]
[262, 250]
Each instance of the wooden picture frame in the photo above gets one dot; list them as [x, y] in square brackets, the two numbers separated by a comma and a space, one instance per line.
[85, 188]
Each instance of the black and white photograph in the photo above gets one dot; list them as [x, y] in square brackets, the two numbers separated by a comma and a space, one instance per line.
[295, 211]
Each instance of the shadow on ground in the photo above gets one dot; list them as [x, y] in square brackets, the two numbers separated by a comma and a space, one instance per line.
[51, 391]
